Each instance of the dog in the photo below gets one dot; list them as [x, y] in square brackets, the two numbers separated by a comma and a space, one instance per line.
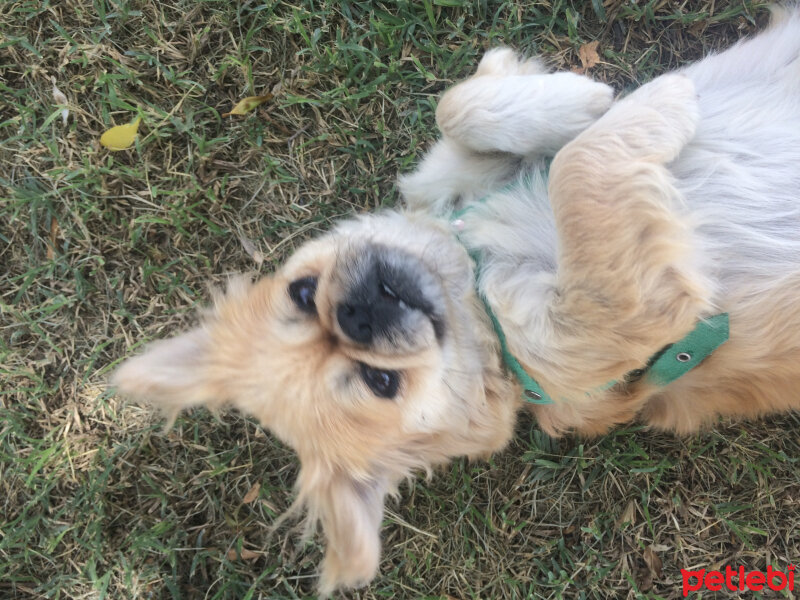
[581, 238]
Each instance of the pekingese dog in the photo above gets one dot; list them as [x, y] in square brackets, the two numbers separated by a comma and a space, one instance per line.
[595, 261]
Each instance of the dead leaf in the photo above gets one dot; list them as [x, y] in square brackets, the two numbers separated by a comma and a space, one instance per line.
[698, 28]
[249, 554]
[245, 105]
[245, 555]
[588, 55]
[653, 562]
[252, 251]
[645, 579]
[628, 515]
[252, 494]
[61, 99]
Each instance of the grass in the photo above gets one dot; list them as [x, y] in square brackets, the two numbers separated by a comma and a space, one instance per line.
[102, 251]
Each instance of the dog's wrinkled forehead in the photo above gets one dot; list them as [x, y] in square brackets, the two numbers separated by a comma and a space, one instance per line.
[386, 298]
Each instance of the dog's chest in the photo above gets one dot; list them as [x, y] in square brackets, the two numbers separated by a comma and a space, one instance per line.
[513, 226]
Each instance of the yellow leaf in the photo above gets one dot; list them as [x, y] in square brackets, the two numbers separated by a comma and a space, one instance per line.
[121, 136]
[245, 105]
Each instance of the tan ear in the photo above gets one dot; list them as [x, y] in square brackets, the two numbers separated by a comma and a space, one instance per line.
[350, 512]
[173, 374]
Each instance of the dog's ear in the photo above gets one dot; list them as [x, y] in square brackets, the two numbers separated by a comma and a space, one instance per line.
[204, 365]
[173, 374]
[350, 511]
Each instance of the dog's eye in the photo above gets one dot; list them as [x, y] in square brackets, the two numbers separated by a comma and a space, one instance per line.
[382, 383]
[302, 294]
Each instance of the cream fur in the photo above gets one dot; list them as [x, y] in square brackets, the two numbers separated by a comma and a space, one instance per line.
[676, 202]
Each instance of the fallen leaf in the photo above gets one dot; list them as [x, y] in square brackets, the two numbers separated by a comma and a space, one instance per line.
[588, 55]
[245, 555]
[645, 579]
[61, 99]
[252, 494]
[120, 137]
[254, 253]
[653, 562]
[698, 28]
[245, 105]
[249, 554]
[628, 515]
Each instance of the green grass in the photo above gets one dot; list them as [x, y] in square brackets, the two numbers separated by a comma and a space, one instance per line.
[101, 251]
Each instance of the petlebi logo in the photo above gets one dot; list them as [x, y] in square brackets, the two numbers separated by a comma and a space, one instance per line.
[738, 580]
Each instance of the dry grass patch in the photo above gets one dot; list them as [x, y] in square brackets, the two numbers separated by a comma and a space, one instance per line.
[101, 251]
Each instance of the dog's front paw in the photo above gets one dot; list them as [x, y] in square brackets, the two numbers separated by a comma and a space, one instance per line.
[659, 118]
[675, 97]
[503, 62]
[521, 114]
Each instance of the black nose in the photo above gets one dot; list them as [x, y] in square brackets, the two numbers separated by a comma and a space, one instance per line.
[355, 321]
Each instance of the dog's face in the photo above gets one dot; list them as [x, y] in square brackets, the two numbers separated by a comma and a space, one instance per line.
[368, 353]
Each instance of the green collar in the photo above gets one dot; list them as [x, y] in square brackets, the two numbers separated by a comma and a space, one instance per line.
[531, 390]
[681, 357]
[662, 368]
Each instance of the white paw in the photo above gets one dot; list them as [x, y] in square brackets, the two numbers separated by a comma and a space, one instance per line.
[501, 62]
[661, 115]
[521, 114]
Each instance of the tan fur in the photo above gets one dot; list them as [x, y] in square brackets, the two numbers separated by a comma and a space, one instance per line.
[753, 375]
[629, 281]
[295, 375]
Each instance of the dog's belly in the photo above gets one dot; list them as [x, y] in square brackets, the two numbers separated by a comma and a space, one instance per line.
[740, 178]
[740, 175]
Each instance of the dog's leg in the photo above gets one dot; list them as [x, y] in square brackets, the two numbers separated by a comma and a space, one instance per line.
[628, 279]
[450, 174]
[508, 112]
[519, 114]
